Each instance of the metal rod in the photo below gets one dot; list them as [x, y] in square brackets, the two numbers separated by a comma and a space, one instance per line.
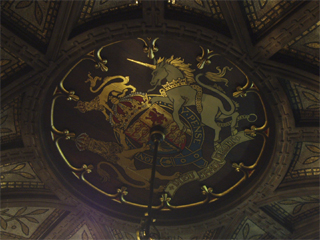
[153, 173]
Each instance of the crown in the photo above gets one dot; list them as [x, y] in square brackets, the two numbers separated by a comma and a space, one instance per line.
[128, 108]
[175, 83]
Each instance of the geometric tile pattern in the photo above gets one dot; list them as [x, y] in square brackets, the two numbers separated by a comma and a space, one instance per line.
[293, 210]
[82, 232]
[210, 8]
[35, 17]
[305, 162]
[27, 222]
[10, 64]
[306, 46]
[262, 14]
[94, 9]
[19, 175]
[249, 230]
[304, 102]
[10, 122]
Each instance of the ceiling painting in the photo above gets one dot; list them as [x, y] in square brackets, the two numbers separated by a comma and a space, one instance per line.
[82, 232]
[27, 222]
[19, 175]
[293, 210]
[10, 124]
[305, 102]
[306, 46]
[263, 14]
[31, 17]
[210, 8]
[249, 230]
[10, 64]
[305, 162]
[202, 103]
[94, 9]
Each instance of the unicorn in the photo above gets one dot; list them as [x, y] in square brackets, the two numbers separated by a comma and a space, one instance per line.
[181, 89]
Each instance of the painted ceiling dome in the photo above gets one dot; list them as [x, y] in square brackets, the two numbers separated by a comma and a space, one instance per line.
[234, 84]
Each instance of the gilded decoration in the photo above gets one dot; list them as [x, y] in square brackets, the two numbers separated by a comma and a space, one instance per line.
[247, 229]
[262, 14]
[19, 175]
[293, 210]
[305, 46]
[305, 162]
[210, 8]
[27, 222]
[10, 124]
[10, 64]
[204, 111]
[35, 17]
[305, 102]
[94, 9]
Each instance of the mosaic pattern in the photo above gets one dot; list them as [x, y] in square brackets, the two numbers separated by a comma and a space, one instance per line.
[305, 162]
[248, 230]
[94, 9]
[210, 8]
[82, 232]
[10, 122]
[35, 17]
[262, 14]
[293, 210]
[305, 46]
[10, 64]
[305, 102]
[19, 175]
[212, 234]
[27, 222]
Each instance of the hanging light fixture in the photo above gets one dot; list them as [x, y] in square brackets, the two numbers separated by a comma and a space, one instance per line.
[144, 232]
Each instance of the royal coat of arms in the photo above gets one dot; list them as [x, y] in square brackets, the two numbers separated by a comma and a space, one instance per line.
[204, 120]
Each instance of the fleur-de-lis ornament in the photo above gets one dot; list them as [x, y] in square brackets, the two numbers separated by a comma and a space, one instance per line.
[205, 60]
[150, 47]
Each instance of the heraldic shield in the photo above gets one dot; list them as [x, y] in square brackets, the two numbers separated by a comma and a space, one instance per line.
[208, 114]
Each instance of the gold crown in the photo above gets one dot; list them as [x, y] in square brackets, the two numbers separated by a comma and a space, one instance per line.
[175, 83]
[128, 108]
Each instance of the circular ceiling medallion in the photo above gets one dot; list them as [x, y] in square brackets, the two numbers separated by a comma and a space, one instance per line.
[217, 124]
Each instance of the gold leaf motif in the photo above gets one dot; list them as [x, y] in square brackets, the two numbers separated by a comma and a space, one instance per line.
[24, 228]
[263, 3]
[311, 160]
[18, 167]
[31, 219]
[309, 199]
[38, 13]
[310, 96]
[103, 1]
[245, 231]
[3, 119]
[20, 211]
[288, 202]
[23, 4]
[5, 130]
[4, 62]
[297, 208]
[313, 148]
[199, 2]
[313, 106]
[315, 45]
[256, 236]
[26, 175]
[129, 236]
[84, 235]
[38, 211]
[3, 224]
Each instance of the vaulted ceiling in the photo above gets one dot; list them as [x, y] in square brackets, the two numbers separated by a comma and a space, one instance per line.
[49, 48]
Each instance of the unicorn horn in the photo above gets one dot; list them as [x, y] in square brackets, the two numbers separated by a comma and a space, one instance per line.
[143, 64]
